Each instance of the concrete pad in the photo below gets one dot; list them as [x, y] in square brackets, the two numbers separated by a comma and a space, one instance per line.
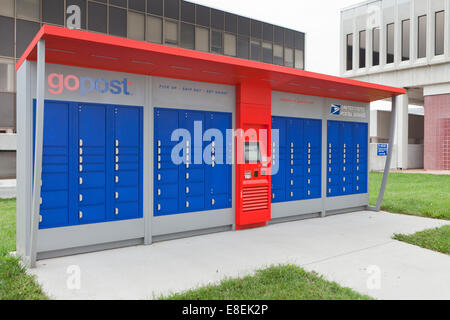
[343, 248]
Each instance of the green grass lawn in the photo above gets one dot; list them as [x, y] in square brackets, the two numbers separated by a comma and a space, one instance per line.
[415, 194]
[434, 239]
[15, 284]
[275, 283]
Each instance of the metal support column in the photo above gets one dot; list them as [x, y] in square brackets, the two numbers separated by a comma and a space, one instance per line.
[388, 159]
[38, 145]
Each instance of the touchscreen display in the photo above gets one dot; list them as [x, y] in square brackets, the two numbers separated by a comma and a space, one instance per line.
[252, 153]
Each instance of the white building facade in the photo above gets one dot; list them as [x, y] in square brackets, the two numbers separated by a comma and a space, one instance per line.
[405, 43]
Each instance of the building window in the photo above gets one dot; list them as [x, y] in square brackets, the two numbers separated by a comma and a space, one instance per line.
[119, 3]
[255, 50]
[6, 37]
[187, 12]
[268, 32]
[440, 33]
[289, 57]
[7, 110]
[53, 12]
[138, 5]
[349, 51]
[117, 22]
[97, 17]
[422, 34]
[171, 36]
[256, 31]
[230, 44]
[362, 49]
[7, 8]
[406, 34]
[171, 9]
[243, 26]
[216, 42]
[278, 55]
[187, 36]
[390, 43]
[217, 19]
[278, 36]
[154, 29]
[203, 14]
[230, 23]
[28, 9]
[136, 26]
[7, 73]
[289, 38]
[25, 32]
[202, 39]
[376, 47]
[267, 52]
[299, 59]
[155, 7]
[243, 47]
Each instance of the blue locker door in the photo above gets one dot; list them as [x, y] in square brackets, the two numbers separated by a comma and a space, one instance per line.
[313, 161]
[295, 159]
[127, 190]
[192, 175]
[334, 159]
[92, 160]
[361, 162]
[54, 209]
[217, 170]
[166, 175]
[279, 160]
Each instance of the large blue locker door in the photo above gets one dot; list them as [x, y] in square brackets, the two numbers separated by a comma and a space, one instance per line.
[218, 172]
[92, 161]
[192, 176]
[313, 161]
[334, 158]
[166, 175]
[279, 160]
[127, 164]
[294, 159]
[55, 166]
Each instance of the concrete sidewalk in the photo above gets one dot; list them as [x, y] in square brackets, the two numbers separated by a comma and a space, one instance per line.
[351, 249]
[7, 188]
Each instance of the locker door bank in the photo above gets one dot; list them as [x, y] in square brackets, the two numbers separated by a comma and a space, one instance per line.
[144, 143]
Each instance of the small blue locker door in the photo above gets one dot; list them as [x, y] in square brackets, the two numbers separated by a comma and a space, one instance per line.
[92, 160]
[279, 160]
[334, 159]
[313, 158]
[295, 177]
[54, 209]
[166, 175]
[192, 175]
[217, 170]
[127, 190]
[360, 167]
[348, 157]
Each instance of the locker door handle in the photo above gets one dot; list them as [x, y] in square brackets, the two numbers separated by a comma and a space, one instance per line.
[309, 181]
[116, 194]
[292, 171]
[116, 179]
[292, 194]
[80, 180]
[40, 218]
[273, 195]
[80, 168]
[159, 143]
[80, 197]
[159, 192]
[159, 150]
[187, 175]
[116, 211]
[159, 207]
[81, 151]
[80, 214]
[292, 182]
[117, 159]
[80, 159]
[117, 142]
[357, 188]
[159, 177]
[117, 150]
[213, 202]
[213, 164]
[187, 204]
[187, 190]
[309, 192]
[159, 166]
[80, 142]
[116, 167]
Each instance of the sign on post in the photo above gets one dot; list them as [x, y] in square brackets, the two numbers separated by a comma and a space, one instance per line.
[382, 149]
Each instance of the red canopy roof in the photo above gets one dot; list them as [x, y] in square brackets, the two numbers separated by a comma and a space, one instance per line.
[98, 51]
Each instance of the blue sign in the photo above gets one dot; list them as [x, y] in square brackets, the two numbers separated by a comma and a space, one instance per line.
[382, 149]
[336, 109]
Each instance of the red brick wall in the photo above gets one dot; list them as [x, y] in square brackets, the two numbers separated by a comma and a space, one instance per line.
[437, 132]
